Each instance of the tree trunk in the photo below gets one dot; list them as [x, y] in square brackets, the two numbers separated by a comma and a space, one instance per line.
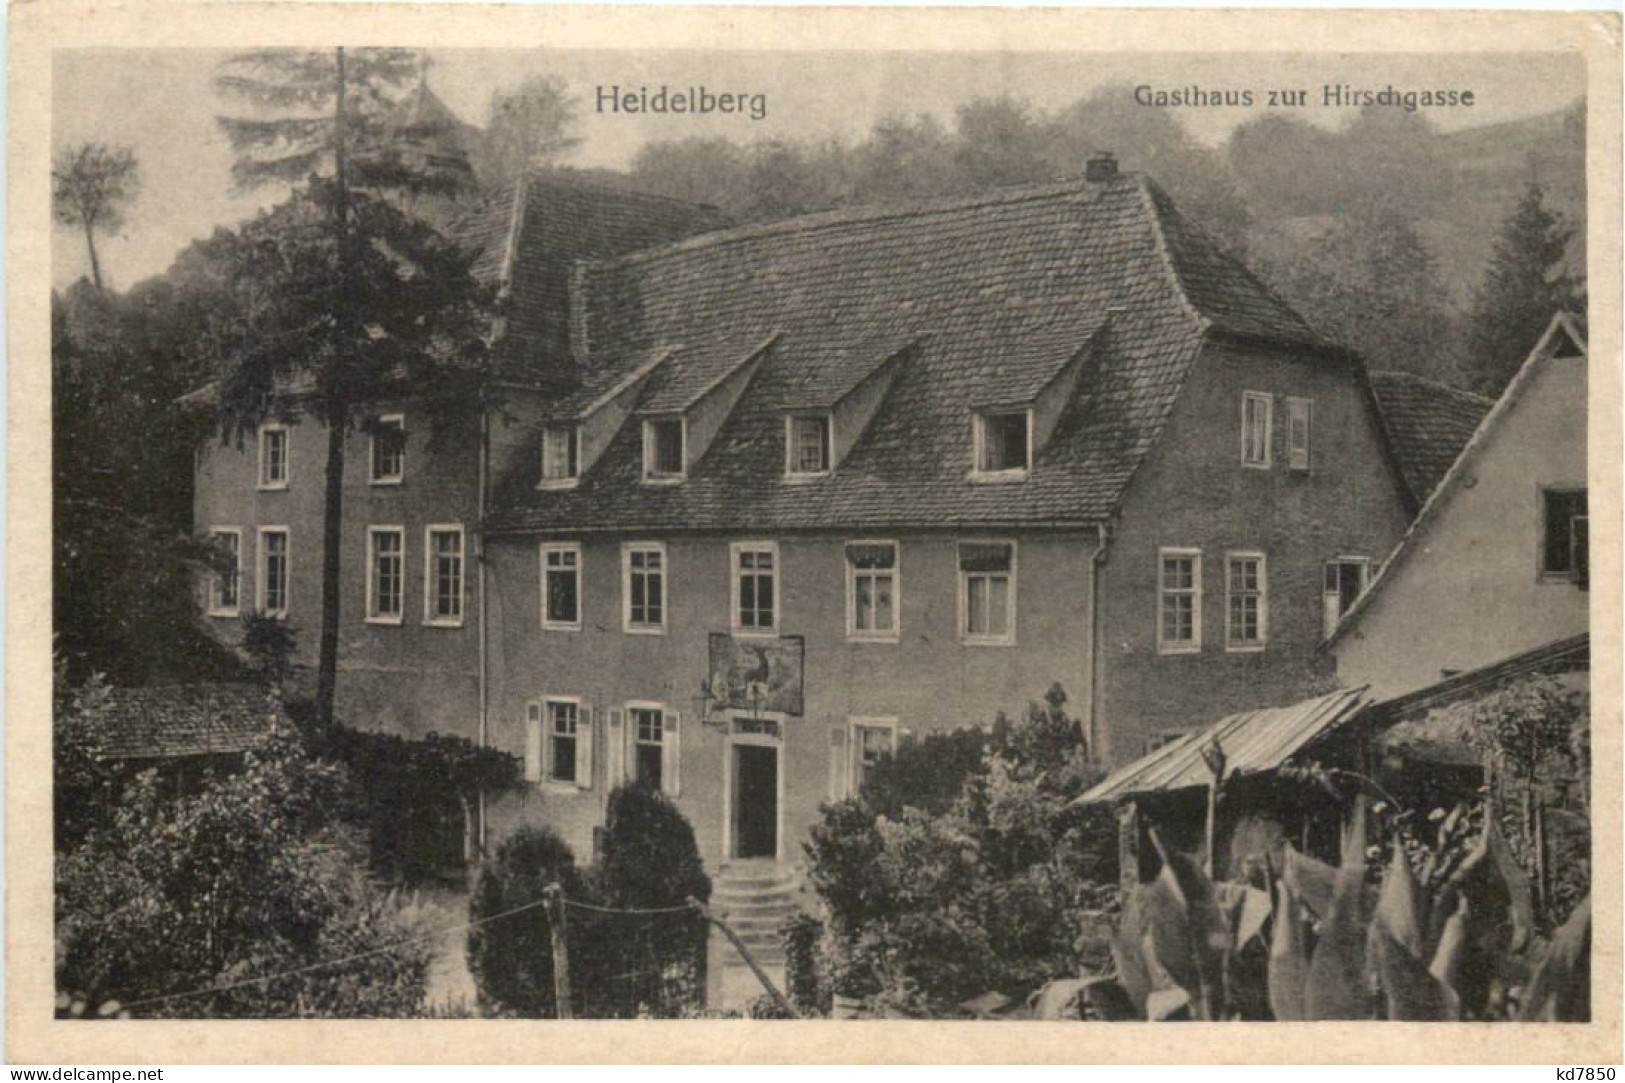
[95, 264]
[327, 660]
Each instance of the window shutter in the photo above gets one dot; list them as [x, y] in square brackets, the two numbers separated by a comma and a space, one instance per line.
[615, 747]
[837, 762]
[584, 741]
[671, 754]
[1299, 412]
[533, 742]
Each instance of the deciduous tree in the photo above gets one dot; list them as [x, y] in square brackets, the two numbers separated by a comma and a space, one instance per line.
[533, 124]
[92, 185]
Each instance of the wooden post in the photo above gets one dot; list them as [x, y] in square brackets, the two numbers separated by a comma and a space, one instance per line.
[1541, 889]
[1213, 755]
[750, 960]
[1128, 847]
[554, 896]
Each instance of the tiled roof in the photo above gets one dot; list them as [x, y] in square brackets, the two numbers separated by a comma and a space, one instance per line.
[999, 289]
[529, 236]
[1252, 742]
[690, 372]
[839, 367]
[171, 721]
[1428, 424]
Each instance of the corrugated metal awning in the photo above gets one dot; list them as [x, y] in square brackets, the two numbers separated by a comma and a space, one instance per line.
[1253, 741]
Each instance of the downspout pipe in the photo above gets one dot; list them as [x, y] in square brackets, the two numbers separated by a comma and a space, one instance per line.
[1092, 727]
[480, 591]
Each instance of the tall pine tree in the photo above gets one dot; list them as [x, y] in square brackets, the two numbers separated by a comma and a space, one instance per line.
[340, 294]
[1526, 283]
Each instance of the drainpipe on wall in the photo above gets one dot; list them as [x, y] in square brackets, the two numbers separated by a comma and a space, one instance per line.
[1092, 726]
[479, 557]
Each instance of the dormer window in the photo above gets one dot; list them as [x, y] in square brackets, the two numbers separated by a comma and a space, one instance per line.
[807, 445]
[559, 467]
[1003, 442]
[663, 449]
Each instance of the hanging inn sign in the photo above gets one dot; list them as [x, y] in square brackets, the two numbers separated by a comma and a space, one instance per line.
[761, 676]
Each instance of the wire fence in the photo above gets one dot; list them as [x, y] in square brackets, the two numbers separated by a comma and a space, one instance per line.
[648, 960]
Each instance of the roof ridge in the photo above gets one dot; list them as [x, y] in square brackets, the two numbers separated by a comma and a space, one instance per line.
[1148, 196]
[1431, 382]
[548, 175]
[855, 214]
[1163, 204]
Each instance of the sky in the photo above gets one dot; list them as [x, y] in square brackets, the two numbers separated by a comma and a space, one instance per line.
[160, 103]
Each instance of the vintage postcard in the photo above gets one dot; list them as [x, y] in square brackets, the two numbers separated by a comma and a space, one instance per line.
[812, 534]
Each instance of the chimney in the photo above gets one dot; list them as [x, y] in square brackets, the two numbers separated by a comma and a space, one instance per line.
[1101, 167]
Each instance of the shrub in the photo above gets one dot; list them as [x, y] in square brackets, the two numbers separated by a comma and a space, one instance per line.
[651, 964]
[927, 774]
[270, 646]
[512, 958]
[808, 987]
[417, 798]
[930, 906]
[250, 877]
[843, 863]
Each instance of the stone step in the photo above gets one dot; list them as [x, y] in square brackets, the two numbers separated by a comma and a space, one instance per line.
[778, 909]
[756, 926]
[767, 877]
[753, 883]
[763, 894]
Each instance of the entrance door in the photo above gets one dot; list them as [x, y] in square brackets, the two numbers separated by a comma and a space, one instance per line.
[756, 801]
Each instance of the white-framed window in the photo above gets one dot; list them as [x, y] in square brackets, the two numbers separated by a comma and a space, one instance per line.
[386, 574]
[987, 592]
[1179, 601]
[225, 586]
[873, 739]
[1565, 535]
[1246, 588]
[563, 717]
[273, 456]
[558, 741]
[560, 456]
[755, 591]
[1257, 409]
[274, 571]
[807, 444]
[387, 458]
[663, 450]
[643, 587]
[873, 590]
[653, 731]
[1344, 580]
[1003, 440]
[1299, 429]
[443, 575]
[561, 586]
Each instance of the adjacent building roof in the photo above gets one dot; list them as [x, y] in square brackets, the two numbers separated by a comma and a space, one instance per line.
[1428, 423]
[528, 237]
[1016, 279]
[181, 720]
[1252, 742]
[1563, 337]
